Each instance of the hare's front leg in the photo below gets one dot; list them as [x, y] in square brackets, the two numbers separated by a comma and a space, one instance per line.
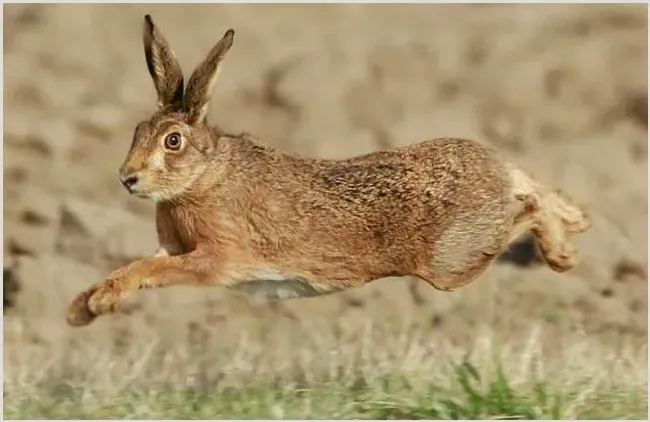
[168, 240]
[196, 268]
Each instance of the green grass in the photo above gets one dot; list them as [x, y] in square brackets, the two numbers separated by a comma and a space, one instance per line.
[377, 372]
[468, 396]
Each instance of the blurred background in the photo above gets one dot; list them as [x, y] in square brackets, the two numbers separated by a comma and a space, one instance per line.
[561, 89]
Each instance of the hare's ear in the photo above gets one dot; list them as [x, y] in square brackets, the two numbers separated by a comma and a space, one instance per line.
[199, 88]
[163, 66]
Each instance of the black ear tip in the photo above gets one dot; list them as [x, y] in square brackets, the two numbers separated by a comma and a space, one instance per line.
[230, 33]
[148, 20]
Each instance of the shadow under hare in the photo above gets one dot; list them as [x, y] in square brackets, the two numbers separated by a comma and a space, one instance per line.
[234, 212]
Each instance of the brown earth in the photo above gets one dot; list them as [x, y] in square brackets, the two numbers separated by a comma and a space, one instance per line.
[562, 89]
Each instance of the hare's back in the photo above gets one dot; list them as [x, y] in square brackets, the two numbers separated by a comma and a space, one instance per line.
[419, 195]
[430, 181]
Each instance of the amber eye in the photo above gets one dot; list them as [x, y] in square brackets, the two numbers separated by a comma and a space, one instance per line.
[173, 141]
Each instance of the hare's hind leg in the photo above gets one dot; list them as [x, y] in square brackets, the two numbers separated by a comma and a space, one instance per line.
[448, 280]
[469, 245]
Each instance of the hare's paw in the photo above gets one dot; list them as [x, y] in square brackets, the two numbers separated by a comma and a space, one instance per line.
[79, 314]
[102, 298]
[107, 298]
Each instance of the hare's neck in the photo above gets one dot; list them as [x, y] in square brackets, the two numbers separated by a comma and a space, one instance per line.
[235, 164]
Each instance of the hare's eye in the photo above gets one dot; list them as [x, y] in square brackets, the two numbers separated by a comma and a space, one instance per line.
[173, 141]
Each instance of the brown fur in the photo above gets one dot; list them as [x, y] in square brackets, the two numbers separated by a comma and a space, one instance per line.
[232, 211]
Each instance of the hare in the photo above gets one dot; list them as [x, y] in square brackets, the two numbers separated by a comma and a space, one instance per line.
[234, 212]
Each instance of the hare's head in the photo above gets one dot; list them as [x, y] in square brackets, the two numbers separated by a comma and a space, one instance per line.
[174, 147]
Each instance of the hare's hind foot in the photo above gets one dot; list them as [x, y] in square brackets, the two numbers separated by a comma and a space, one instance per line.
[574, 218]
[552, 217]
[551, 232]
[551, 225]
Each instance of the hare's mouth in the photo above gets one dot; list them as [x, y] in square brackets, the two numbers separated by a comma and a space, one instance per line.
[134, 187]
[140, 192]
[134, 184]
[148, 194]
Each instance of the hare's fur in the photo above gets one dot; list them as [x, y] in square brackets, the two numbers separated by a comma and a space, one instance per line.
[234, 212]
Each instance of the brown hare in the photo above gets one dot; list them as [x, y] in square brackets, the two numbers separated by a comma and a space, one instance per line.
[234, 212]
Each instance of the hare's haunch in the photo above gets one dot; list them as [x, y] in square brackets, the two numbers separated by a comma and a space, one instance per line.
[234, 212]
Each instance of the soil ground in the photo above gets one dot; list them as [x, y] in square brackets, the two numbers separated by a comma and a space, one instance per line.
[562, 89]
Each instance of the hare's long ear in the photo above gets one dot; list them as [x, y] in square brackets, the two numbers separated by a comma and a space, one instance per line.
[199, 88]
[163, 66]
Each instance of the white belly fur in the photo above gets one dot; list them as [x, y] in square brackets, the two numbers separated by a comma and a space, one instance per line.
[278, 287]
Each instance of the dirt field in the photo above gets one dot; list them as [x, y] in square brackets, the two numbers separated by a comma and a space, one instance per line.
[562, 89]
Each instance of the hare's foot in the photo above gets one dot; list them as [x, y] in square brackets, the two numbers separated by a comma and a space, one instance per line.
[79, 313]
[551, 230]
[102, 298]
[574, 218]
[558, 252]
[107, 298]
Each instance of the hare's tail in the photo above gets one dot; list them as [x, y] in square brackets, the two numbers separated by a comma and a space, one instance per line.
[552, 216]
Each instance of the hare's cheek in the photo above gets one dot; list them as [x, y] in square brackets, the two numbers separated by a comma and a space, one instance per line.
[174, 164]
[157, 161]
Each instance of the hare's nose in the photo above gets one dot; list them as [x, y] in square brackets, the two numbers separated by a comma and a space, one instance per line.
[129, 181]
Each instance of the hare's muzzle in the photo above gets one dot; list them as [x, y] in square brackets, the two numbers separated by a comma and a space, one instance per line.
[129, 181]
